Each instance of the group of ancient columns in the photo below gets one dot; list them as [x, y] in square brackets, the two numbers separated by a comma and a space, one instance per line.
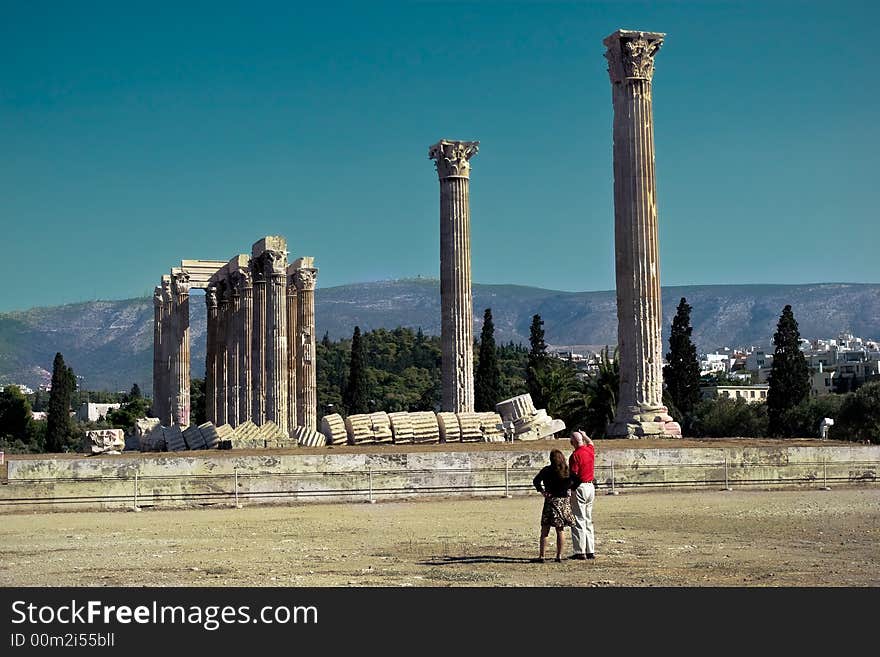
[260, 343]
[171, 369]
[640, 410]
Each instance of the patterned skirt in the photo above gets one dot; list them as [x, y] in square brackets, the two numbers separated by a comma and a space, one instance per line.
[557, 512]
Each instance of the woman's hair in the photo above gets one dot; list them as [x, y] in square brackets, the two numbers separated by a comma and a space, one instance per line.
[559, 464]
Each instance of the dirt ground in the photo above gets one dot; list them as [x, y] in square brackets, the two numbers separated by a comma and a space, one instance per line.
[644, 538]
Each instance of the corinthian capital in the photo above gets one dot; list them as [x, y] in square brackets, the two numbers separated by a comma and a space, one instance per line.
[157, 297]
[452, 157]
[305, 278]
[630, 54]
[166, 289]
[274, 262]
[211, 296]
[180, 282]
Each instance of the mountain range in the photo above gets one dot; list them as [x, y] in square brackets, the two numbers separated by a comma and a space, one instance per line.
[109, 343]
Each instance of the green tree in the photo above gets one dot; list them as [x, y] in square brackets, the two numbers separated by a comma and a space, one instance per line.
[58, 425]
[789, 375]
[723, 417]
[681, 374]
[135, 392]
[15, 417]
[197, 401]
[357, 395]
[859, 417]
[487, 383]
[135, 408]
[537, 361]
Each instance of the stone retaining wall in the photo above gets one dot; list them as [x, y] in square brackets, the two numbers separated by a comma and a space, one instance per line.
[209, 478]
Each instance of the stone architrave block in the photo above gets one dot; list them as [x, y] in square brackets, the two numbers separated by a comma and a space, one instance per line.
[401, 428]
[193, 438]
[104, 441]
[333, 427]
[209, 433]
[148, 432]
[381, 427]
[471, 427]
[450, 429]
[174, 438]
[524, 422]
[360, 429]
[308, 438]
[426, 429]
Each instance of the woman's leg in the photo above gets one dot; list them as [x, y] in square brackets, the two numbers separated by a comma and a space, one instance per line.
[560, 537]
[545, 531]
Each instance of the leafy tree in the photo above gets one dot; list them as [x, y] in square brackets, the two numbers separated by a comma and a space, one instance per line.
[789, 375]
[15, 414]
[859, 416]
[132, 410]
[58, 425]
[487, 383]
[803, 420]
[537, 361]
[356, 398]
[197, 401]
[723, 417]
[681, 374]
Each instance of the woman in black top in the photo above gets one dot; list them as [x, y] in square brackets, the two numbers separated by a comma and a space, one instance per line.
[554, 483]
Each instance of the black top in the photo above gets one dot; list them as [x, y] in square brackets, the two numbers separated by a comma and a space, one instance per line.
[548, 480]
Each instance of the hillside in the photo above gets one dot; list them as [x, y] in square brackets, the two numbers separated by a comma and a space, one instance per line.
[109, 343]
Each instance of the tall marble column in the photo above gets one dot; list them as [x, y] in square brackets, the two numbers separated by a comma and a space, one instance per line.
[305, 275]
[180, 412]
[457, 321]
[245, 355]
[258, 371]
[223, 299]
[275, 269]
[292, 334]
[211, 354]
[640, 410]
[157, 351]
[169, 341]
[233, 350]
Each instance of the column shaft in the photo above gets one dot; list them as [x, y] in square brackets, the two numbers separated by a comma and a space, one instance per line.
[233, 354]
[259, 349]
[640, 410]
[180, 415]
[157, 351]
[306, 381]
[222, 352]
[292, 334]
[245, 356]
[211, 355]
[276, 350]
[457, 320]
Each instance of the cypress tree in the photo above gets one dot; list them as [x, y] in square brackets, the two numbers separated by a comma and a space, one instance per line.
[789, 375]
[356, 396]
[58, 428]
[487, 384]
[537, 361]
[681, 374]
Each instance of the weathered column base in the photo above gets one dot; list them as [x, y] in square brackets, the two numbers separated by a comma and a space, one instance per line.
[640, 422]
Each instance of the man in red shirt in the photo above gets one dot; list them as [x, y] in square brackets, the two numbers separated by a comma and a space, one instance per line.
[581, 465]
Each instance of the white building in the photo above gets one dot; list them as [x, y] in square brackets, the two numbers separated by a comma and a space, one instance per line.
[94, 412]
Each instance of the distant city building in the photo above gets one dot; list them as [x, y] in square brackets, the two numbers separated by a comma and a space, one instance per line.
[89, 412]
[22, 387]
[754, 394]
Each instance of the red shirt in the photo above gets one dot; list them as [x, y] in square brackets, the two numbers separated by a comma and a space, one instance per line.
[581, 461]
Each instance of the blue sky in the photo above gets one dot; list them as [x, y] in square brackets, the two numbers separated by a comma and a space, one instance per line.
[134, 135]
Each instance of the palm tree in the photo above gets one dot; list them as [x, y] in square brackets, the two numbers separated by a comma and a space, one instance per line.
[592, 403]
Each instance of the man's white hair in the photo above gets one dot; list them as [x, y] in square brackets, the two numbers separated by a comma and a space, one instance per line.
[580, 437]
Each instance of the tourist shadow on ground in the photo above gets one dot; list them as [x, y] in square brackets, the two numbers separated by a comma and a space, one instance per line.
[482, 558]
